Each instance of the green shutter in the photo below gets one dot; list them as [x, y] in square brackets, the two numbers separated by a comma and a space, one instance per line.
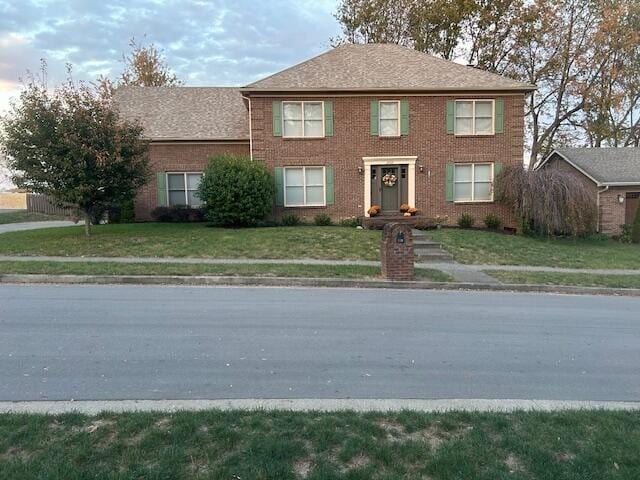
[374, 117]
[279, 176]
[497, 168]
[328, 119]
[451, 116]
[328, 177]
[499, 125]
[404, 117]
[449, 187]
[161, 189]
[277, 118]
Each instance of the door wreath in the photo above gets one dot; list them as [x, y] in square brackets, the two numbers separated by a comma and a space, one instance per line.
[389, 179]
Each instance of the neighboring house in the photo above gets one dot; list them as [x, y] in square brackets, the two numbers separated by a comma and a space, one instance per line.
[611, 174]
[334, 128]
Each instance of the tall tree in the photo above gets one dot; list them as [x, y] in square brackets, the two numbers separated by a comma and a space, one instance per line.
[70, 144]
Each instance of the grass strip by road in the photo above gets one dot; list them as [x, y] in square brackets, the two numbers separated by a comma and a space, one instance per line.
[570, 445]
[481, 247]
[24, 216]
[184, 269]
[569, 279]
[196, 240]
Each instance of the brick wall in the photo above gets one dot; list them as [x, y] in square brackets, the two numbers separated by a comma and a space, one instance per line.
[397, 258]
[427, 140]
[179, 157]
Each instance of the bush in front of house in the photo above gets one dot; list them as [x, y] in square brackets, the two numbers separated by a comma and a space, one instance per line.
[625, 233]
[122, 213]
[352, 222]
[492, 221]
[177, 214]
[236, 191]
[322, 220]
[466, 221]
[548, 201]
[635, 229]
[291, 220]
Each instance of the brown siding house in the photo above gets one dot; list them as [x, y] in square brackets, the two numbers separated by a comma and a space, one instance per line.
[357, 126]
[611, 174]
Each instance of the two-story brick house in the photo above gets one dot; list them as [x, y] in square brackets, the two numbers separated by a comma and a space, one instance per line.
[356, 126]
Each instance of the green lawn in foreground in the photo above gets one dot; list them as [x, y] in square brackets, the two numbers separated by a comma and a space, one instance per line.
[23, 216]
[578, 445]
[574, 279]
[480, 247]
[183, 269]
[196, 240]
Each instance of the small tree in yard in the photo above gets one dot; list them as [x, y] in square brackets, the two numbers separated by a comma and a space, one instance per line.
[237, 191]
[71, 145]
[548, 201]
[635, 229]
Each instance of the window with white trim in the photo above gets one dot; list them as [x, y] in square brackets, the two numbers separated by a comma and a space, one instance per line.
[304, 187]
[474, 117]
[182, 188]
[473, 182]
[303, 119]
[389, 118]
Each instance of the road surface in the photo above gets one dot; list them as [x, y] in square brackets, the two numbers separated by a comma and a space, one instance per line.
[140, 342]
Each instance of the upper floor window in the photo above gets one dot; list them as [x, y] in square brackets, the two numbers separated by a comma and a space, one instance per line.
[303, 119]
[473, 182]
[389, 118]
[304, 186]
[183, 188]
[474, 117]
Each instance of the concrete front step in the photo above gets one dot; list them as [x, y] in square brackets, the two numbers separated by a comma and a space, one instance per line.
[436, 258]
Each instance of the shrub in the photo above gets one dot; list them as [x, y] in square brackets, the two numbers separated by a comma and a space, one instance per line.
[291, 220]
[178, 214]
[625, 235]
[466, 221]
[548, 201]
[492, 221]
[322, 220]
[351, 222]
[236, 191]
[123, 213]
[635, 229]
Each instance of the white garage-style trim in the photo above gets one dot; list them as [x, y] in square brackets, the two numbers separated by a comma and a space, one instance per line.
[410, 161]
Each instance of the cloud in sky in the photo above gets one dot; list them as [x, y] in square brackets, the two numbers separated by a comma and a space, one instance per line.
[207, 42]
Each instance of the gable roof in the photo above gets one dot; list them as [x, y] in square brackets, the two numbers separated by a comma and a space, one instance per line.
[186, 113]
[605, 166]
[379, 66]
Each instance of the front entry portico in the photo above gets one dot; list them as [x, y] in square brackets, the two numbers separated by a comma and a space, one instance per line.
[389, 182]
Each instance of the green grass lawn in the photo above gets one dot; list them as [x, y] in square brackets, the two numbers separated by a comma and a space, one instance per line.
[578, 445]
[184, 269]
[23, 216]
[196, 240]
[472, 246]
[573, 279]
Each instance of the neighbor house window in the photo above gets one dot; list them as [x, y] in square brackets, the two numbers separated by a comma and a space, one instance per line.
[389, 118]
[474, 117]
[473, 182]
[183, 188]
[304, 187]
[303, 119]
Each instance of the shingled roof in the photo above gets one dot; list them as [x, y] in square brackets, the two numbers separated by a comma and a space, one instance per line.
[374, 67]
[605, 166]
[186, 113]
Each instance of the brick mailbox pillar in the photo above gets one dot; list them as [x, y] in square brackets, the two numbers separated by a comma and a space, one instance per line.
[396, 252]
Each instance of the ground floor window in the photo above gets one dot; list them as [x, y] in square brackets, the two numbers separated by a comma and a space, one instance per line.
[183, 188]
[473, 182]
[304, 187]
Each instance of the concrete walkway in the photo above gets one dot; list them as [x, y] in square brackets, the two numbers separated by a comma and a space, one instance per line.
[17, 227]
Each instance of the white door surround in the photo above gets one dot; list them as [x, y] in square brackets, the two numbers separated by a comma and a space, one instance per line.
[411, 177]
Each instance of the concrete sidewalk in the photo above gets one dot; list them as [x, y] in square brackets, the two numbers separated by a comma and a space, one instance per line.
[17, 227]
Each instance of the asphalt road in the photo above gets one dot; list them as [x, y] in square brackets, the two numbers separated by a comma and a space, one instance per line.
[134, 342]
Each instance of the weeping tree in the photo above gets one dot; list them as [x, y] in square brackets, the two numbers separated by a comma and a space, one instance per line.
[548, 201]
[70, 144]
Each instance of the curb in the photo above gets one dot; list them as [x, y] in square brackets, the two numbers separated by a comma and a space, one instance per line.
[205, 280]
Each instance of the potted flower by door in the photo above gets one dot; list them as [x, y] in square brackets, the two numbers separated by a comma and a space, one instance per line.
[440, 219]
[374, 210]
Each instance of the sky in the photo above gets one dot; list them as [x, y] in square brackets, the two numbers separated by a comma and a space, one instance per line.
[214, 42]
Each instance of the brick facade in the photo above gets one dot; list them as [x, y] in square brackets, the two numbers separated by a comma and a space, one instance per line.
[396, 252]
[427, 140]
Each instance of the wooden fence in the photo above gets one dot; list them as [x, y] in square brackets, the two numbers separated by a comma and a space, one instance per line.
[43, 204]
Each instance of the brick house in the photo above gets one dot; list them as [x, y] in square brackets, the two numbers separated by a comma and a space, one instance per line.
[357, 126]
[611, 174]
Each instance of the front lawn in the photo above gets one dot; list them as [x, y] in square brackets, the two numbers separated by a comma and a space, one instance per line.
[572, 279]
[184, 269]
[573, 445]
[20, 216]
[480, 247]
[196, 240]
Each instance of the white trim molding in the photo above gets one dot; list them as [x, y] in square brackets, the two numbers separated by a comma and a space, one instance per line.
[410, 161]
